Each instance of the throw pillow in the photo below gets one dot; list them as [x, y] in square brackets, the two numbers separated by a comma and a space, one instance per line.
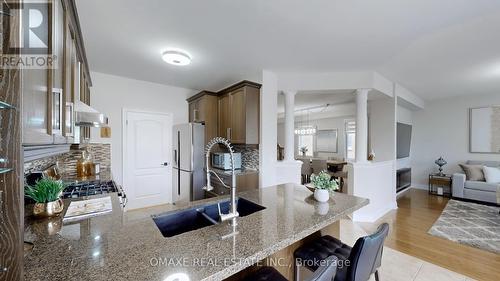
[473, 172]
[491, 174]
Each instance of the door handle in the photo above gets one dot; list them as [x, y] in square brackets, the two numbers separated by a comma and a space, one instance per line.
[164, 164]
[175, 156]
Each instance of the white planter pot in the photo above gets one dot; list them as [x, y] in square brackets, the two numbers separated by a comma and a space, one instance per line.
[321, 195]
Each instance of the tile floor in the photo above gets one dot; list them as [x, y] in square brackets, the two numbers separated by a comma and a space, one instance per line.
[397, 266]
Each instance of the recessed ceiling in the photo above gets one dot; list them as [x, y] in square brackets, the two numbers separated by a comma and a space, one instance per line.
[434, 48]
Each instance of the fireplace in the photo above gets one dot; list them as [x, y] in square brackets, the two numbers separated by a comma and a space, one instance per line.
[403, 179]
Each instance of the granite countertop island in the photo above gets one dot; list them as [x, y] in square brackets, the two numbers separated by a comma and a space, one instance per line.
[129, 246]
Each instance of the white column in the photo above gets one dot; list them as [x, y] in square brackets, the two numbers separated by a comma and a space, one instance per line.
[362, 125]
[289, 125]
[268, 129]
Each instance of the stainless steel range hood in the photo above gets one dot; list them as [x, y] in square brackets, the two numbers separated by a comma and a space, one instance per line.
[86, 116]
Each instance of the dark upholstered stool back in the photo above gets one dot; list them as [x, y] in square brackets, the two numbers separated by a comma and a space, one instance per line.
[366, 255]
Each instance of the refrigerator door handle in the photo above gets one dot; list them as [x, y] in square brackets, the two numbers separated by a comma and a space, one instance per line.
[175, 158]
[179, 163]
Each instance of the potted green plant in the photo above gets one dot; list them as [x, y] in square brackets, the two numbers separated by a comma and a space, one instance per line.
[47, 196]
[323, 184]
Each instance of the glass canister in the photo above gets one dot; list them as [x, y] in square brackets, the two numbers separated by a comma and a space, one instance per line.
[84, 165]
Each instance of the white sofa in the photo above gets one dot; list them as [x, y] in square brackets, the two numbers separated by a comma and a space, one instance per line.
[475, 190]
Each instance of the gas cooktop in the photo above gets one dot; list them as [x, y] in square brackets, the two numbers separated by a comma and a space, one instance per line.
[89, 188]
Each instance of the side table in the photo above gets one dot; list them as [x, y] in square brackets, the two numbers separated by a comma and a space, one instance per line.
[442, 181]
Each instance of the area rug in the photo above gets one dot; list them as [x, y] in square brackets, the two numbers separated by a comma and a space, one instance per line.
[471, 224]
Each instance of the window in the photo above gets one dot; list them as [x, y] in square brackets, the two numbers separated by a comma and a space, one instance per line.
[350, 142]
[306, 141]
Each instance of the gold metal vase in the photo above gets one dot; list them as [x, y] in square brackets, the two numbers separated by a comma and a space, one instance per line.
[49, 209]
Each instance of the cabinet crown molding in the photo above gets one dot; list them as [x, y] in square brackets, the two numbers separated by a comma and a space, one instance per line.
[226, 90]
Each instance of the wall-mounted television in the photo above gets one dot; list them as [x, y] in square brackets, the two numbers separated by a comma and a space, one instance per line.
[403, 140]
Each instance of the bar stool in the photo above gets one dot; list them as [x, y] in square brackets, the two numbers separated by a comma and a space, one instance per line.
[364, 258]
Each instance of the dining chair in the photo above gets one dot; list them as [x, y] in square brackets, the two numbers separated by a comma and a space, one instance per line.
[305, 170]
[341, 177]
[319, 165]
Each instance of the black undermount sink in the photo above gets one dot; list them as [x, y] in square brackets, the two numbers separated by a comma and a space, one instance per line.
[172, 224]
[243, 206]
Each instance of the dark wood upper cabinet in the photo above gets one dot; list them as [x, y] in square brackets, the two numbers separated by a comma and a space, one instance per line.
[239, 113]
[49, 94]
[203, 108]
[232, 113]
[58, 73]
[224, 117]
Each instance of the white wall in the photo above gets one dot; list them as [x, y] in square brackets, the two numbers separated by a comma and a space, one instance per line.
[441, 129]
[321, 124]
[110, 94]
[482, 122]
[375, 181]
[405, 115]
[382, 127]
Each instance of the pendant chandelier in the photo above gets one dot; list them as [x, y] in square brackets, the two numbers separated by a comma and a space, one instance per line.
[305, 129]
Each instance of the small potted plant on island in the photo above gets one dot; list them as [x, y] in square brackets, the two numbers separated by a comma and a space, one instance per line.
[323, 184]
[47, 196]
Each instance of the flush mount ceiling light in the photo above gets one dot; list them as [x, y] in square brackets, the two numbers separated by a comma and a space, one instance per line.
[176, 57]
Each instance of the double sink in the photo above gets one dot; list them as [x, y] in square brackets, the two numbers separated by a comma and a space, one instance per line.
[172, 224]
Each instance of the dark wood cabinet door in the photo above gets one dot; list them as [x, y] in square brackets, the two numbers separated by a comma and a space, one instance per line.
[208, 114]
[35, 107]
[224, 117]
[59, 73]
[238, 116]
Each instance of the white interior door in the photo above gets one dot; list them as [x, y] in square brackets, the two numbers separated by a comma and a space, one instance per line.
[147, 169]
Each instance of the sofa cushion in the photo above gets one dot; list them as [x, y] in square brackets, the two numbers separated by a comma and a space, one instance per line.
[492, 175]
[481, 185]
[473, 172]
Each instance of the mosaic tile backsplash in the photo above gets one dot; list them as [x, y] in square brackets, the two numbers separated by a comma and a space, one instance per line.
[249, 156]
[100, 152]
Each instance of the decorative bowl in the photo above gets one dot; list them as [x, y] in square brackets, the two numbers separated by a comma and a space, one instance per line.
[49, 209]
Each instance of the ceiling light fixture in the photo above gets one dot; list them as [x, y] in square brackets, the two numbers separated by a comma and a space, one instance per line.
[176, 57]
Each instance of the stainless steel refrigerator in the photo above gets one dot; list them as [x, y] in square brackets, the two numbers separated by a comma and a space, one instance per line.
[189, 162]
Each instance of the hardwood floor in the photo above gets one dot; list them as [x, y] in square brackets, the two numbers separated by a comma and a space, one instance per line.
[417, 211]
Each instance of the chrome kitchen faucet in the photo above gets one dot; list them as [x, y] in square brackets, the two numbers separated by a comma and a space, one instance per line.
[233, 213]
